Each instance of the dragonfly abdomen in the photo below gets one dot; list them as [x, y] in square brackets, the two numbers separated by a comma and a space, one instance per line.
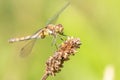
[19, 39]
[24, 38]
[42, 34]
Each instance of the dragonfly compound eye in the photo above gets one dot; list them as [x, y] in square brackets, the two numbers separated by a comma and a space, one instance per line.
[59, 28]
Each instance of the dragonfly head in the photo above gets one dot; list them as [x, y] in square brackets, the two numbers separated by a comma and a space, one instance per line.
[59, 29]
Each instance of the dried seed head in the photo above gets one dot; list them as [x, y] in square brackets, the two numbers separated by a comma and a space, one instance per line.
[55, 62]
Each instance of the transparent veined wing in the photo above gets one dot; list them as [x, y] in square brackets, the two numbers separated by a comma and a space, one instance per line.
[54, 18]
[27, 48]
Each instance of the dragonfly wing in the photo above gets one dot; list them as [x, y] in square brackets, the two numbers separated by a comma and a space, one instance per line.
[54, 18]
[26, 50]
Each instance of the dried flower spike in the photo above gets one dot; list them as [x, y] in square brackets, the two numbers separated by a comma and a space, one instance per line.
[55, 62]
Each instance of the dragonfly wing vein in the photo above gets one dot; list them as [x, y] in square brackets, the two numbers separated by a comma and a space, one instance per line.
[27, 48]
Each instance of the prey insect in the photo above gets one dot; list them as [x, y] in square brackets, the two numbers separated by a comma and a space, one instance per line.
[50, 29]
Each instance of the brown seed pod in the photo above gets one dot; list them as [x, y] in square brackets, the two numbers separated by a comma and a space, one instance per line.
[55, 62]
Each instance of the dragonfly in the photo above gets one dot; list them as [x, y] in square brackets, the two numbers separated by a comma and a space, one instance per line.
[49, 29]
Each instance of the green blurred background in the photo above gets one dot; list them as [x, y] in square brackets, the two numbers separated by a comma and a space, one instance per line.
[95, 22]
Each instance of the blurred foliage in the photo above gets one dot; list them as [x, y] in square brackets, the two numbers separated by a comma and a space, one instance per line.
[95, 22]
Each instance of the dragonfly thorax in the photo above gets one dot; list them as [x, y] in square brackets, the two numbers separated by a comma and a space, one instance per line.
[53, 29]
[59, 28]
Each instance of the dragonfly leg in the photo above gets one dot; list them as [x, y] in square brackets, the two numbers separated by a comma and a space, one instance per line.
[61, 37]
[56, 45]
[64, 34]
[54, 40]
